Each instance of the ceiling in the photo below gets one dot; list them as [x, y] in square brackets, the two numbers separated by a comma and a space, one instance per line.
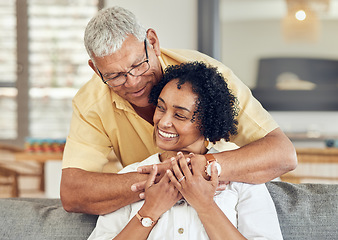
[244, 10]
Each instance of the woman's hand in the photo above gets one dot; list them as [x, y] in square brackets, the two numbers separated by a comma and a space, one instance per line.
[159, 197]
[161, 171]
[198, 191]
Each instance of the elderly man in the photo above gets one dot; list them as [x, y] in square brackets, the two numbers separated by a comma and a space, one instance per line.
[112, 113]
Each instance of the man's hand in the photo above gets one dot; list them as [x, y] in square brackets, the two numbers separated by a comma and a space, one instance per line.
[161, 170]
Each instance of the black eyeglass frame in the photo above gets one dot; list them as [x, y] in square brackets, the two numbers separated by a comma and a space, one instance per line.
[129, 72]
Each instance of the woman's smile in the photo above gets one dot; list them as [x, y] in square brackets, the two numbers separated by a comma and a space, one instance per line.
[167, 135]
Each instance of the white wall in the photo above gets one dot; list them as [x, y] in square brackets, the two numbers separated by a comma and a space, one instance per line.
[175, 21]
[316, 126]
[245, 41]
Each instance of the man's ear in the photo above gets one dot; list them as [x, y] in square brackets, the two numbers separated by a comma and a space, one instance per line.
[153, 40]
[91, 64]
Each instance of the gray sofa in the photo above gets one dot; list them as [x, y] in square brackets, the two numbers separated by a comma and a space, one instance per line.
[305, 211]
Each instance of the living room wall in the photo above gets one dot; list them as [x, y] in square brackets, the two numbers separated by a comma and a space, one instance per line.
[245, 42]
[175, 21]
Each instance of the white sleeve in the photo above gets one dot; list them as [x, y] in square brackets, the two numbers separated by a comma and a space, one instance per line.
[130, 168]
[153, 159]
[257, 216]
[109, 225]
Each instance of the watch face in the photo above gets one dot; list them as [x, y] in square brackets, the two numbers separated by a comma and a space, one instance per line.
[147, 222]
[218, 167]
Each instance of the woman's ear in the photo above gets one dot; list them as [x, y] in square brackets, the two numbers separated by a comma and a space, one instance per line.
[153, 40]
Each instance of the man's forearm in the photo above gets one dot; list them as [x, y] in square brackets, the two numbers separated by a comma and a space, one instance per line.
[259, 161]
[97, 193]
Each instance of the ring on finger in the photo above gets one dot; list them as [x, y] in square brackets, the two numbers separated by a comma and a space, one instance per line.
[180, 180]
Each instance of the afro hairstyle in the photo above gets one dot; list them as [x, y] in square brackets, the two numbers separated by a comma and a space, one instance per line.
[216, 106]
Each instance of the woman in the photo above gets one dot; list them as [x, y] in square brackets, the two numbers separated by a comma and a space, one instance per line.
[193, 106]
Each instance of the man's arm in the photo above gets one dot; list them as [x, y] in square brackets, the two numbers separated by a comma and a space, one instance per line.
[259, 161]
[97, 193]
[256, 162]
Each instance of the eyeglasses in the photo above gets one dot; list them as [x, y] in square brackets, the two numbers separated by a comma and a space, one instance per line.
[118, 79]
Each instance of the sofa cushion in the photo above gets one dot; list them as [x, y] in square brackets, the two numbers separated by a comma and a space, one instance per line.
[306, 211]
[42, 219]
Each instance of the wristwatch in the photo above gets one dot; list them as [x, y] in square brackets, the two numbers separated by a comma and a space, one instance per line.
[145, 221]
[210, 158]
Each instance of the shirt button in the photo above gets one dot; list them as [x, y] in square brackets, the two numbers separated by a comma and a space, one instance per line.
[180, 230]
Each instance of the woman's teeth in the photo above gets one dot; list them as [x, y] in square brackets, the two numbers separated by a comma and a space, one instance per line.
[167, 135]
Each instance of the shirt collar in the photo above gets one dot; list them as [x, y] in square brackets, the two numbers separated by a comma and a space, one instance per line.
[120, 102]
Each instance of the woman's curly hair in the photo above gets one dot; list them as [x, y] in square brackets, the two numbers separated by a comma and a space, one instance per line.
[216, 106]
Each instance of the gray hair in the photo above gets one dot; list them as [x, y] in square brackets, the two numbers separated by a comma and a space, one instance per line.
[106, 31]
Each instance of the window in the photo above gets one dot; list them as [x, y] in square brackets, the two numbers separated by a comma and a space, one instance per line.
[36, 93]
[8, 91]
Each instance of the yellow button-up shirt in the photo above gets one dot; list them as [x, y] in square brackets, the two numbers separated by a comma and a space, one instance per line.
[102, 121]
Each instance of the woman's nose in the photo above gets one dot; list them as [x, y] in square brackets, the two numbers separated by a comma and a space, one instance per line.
[165, 121]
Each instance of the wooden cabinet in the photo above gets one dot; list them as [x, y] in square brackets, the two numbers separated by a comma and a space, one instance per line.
[315, 165]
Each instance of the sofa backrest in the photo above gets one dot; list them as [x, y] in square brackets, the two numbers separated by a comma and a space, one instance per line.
[306, 211]
[41, 219]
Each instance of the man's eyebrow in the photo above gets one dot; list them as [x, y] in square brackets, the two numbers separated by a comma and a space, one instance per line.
[137, 61]
[109, 74]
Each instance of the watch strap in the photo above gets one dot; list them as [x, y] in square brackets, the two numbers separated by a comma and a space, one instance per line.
[210, 158]
[139, 217]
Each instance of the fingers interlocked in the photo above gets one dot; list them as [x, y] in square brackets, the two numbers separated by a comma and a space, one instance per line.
[180, 171]
[179, 180]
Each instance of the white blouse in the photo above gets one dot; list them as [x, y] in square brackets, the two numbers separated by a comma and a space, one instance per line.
[249, 208]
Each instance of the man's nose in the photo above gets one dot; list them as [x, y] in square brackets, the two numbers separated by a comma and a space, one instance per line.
[131, 80]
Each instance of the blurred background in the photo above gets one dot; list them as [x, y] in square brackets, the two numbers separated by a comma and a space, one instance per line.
[284, 50]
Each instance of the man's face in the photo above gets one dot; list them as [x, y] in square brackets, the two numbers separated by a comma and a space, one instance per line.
[136, 90]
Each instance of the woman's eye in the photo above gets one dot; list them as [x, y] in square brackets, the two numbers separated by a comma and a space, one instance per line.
[180, 116]
[160, 108]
